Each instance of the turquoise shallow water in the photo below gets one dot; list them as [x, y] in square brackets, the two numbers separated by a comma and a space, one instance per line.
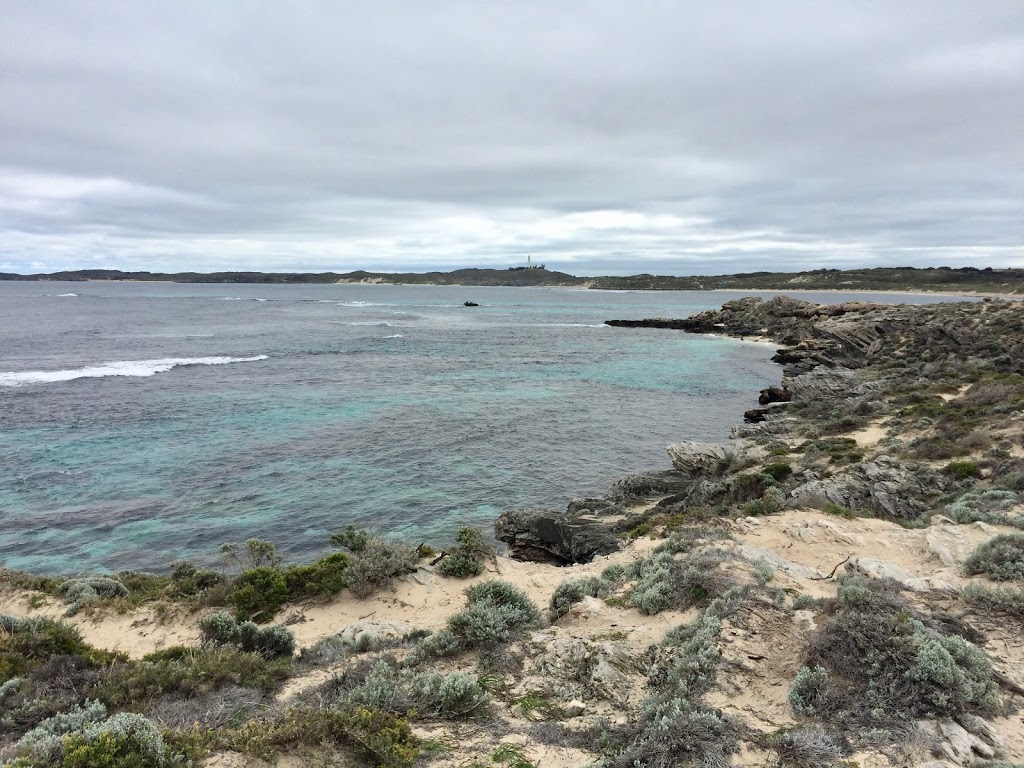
[142, 423]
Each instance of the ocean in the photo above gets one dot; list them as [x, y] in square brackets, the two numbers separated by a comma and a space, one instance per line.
[142, 423]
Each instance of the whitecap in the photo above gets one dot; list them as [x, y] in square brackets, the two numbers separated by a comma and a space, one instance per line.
[372, 322]
[118, 368]
[394, 336]
[62, 295]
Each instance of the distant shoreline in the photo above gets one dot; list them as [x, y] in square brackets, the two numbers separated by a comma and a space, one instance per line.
[964, 281]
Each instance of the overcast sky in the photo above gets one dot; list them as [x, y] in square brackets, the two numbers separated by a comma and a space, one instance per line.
[600, 137]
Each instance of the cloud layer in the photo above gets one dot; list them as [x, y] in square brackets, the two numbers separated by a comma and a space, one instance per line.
[601, 137]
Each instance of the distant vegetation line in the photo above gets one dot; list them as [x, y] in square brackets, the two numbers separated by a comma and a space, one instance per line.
[938, 279]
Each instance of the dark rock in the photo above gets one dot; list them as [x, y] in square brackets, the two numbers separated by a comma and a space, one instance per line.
[758, 415]
[774, 395]
[645, 484]
[600, 506]
[470, 304]
[542, 535]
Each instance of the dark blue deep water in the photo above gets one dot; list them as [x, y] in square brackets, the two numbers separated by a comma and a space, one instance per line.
[142, 423]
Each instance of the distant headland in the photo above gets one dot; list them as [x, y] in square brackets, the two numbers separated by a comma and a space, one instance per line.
[936, 279]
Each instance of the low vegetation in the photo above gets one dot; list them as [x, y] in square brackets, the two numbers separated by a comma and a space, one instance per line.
[876, 662]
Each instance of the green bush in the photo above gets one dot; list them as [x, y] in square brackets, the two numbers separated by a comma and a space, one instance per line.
[190, 580]
[962, 470]
[380, 738]
[353, 539]
[807, 693]
[324, 578]
[467, 559]
[1000, 559]
[187, 673]
[271, 642]
[27, 643]
[259, 593]
[808, 747]
[779, 470]
[684, 539]
[441, 644]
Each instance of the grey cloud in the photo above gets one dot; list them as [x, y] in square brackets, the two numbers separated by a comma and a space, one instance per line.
[412, 135]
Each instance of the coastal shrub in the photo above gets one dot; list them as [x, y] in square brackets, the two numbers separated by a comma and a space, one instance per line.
[573, 591]
[353, 539]
[684, 539]
[78, 593]
[1000, 558]
[875, 661]
[259, 593]
[494, 613]
[771, 501]
[255, 553]
[383, 685]
[988, 506]
[807, 693]
[45, 743]
[26, 644]
[441, 644]
[218, 629]
[375, 566]
[324, 578]
[271, 642]
[936, 448]
[377, 738]
[779, 470]
[808, 747]
[188, 672]
[677, 732]
[692, 673]
[962, 470]
[467, 559]
[454, 697]
[664, 582]
[126, 740]
[190, 580]
[1007, 601]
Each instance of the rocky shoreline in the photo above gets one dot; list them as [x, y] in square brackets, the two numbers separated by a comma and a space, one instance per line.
[841, 584]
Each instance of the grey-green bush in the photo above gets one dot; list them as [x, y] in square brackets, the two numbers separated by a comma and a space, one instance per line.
[1000, 558]
[495, 611]
[988, 506]
[375, 566]
[664, 582]
[45, 742]
[885, 664]
[573, 591]
[78, 593]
